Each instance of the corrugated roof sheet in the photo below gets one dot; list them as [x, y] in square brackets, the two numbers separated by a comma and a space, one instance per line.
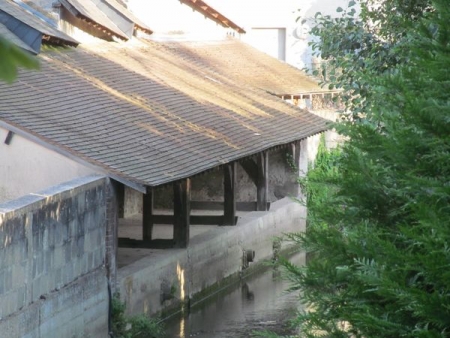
[144, 112]
[22, 15]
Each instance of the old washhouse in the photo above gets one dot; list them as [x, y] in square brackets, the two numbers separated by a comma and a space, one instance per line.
[174, 124]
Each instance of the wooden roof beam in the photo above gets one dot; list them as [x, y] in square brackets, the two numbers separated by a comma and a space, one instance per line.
[214, 15]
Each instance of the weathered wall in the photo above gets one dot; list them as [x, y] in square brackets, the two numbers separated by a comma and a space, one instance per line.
[52, 276]
[25, 168]
[182, 273]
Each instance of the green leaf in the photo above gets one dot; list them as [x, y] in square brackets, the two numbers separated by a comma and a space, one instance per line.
[12, 58]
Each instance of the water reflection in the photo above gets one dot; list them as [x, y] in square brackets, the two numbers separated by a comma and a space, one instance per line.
[257, 303]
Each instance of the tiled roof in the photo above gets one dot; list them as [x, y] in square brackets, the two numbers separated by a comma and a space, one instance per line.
[50, 33]
[145, 113]
[241, 62]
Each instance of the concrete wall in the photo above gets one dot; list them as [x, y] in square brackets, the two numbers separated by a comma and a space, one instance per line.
[25, 167]
[52, 276]
[147, 284]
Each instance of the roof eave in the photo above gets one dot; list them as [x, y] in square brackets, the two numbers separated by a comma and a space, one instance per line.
[213, 14]
[75, 12]
[60, 150]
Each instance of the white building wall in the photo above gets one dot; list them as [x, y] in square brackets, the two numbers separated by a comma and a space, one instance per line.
[26, 167]
[273, 16]
[170, 19]
[266, 22]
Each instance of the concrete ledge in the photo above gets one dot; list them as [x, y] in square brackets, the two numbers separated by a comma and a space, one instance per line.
[168, 278]
[41, 196]
[68, 312]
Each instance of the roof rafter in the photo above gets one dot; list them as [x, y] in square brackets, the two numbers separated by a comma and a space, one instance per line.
[202, 7]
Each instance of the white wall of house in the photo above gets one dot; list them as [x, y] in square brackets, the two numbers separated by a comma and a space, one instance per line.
[271, 26]
[26, 167]
[268, 22]
[172, 19]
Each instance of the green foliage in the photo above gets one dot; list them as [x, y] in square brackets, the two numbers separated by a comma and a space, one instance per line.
[13, 57]
[322, 179]
[139, 326]
[371, 37]
[379, 208]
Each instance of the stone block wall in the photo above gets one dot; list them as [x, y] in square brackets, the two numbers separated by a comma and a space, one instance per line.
[52, 272]
[168, 277]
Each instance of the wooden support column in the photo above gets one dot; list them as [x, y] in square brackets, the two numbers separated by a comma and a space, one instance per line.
[262, 188]
[147, 215]
[294, 153]
[120, 191]
[229, 188]
[181, 210]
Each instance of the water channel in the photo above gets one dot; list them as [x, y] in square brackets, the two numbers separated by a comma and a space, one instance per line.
[259, 302]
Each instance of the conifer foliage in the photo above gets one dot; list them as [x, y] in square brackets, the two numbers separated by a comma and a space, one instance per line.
[379, 211]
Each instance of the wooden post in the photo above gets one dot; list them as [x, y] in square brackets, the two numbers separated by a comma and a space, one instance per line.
[147, 215]
[181, 211]
[294, 153]
[262, 188]
[120, 191]
[229, 188]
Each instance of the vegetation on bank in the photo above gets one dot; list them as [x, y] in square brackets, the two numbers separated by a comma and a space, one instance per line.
[139, 326]
[379, 208]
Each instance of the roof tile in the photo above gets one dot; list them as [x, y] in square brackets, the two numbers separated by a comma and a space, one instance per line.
[145, 112]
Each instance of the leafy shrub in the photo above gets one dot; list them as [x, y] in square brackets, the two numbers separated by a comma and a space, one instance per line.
[378, 213]
[139, 326]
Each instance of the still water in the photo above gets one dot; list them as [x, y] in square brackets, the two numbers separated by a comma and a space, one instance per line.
[259, 302]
